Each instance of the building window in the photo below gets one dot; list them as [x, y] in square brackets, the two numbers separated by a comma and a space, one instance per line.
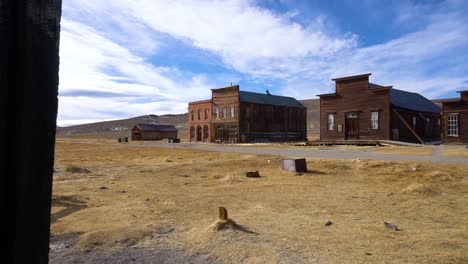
[375, 120]
[217, 112]
[232, 111]
[452, 125]
[192, 114]
[414, 122]
[199, 114]
[206, 113]
[331, 121]
[225, 112]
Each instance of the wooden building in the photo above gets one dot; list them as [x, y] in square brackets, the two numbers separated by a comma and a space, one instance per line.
[240, 116]
[455, 119]
[359, 109]
[153, 132]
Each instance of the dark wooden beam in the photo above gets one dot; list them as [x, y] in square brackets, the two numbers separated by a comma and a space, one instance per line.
[29, 64]
[408, 126]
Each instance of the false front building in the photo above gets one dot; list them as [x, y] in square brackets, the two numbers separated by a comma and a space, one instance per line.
[236, 116]
[455, 119]
[362, 110]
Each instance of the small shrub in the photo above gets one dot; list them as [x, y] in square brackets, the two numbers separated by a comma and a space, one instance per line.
[76, 169]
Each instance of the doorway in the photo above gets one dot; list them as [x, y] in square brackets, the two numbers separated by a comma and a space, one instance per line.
[352, 125]
[199, 133]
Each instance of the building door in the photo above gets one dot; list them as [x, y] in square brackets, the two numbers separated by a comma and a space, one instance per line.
[352, 125]
[199, 133]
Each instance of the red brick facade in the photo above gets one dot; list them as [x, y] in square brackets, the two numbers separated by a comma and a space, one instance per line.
[200, 114]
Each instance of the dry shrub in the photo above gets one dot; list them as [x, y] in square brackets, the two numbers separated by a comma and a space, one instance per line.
[439, 176]
[76, 169]
[419, 188]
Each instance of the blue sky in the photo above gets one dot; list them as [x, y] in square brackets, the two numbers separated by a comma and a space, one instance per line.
[125, 58]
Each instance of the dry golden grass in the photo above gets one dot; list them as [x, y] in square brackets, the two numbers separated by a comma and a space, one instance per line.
[137, 196]
[403, 150]
[459, 152]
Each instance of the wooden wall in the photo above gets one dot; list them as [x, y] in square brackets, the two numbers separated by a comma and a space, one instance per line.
[461, 108]
[154, 135]
[273, 123]
[426, 131]
[354, 95]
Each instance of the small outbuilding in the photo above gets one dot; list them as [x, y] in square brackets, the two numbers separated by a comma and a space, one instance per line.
[153, 132]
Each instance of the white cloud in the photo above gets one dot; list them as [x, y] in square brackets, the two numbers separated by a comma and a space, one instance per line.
[106, 46]
[92, 64]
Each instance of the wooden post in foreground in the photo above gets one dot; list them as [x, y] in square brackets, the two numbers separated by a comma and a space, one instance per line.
[223, 214]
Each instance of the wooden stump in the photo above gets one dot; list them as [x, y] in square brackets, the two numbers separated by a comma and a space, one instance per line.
[223, 214]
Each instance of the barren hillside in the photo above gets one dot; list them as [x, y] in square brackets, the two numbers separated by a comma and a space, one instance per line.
[118, 128]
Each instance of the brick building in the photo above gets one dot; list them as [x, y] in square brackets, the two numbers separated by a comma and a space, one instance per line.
[235, 116]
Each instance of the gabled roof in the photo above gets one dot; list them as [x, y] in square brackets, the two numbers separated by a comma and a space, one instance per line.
[412, 101]
[259, 98]
[152, 127]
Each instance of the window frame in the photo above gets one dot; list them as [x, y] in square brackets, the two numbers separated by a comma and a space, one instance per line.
[217, 112]
[453, 127]
[331, 125]
[375, 120]
[233, 111]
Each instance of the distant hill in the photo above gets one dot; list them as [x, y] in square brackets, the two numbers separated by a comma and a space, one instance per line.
[120, 128]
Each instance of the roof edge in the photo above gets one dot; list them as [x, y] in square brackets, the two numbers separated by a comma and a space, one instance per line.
[351, 77]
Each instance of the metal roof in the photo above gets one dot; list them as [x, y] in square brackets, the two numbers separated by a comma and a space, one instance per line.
[259, 98]
[153, 127]
[412, 101]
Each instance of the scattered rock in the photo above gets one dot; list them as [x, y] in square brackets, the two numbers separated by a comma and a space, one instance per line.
[75, 169]
[328, 223]
[298, 174]
[392, 226]
[414, 169]
[252, 174]
[368, 254]
[103, 188]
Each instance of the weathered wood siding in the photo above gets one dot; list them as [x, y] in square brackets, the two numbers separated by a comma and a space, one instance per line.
[461, 108]
[273, 123]
[427, 130]
[354, 96]
[153, 135]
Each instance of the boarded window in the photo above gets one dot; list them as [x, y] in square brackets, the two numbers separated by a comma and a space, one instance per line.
[452, 123]
[199, 114]
[225, 112]
[414, 122]
[232, 111]
[207, 112]
[192, 114]
[375, 120]
[331, 121]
